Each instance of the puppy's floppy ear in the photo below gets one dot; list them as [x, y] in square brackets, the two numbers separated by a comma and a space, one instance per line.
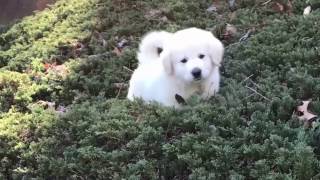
[165, 57]
[215, 49]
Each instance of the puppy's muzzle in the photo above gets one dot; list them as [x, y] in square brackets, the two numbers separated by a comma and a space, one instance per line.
[196, 73]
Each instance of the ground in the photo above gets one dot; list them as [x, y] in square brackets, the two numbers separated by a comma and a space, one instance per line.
[63, 81]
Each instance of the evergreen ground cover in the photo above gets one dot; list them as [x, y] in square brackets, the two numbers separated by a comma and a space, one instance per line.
[63, 81]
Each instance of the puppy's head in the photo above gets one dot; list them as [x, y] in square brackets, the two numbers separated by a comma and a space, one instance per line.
[192, 55]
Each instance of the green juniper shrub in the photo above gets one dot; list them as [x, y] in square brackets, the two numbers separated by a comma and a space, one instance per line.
[71, 57]
[16, 89]
[68, 21]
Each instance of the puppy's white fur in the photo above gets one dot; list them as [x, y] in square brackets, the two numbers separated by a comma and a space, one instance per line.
[151, 44]
[160, 77]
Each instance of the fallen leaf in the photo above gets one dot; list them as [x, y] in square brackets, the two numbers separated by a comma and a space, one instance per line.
[164, 19]
[278, 7]
[156, 14]
[48, 65]
[246, 36]
[52, 105]
[47, 104]
[122, 44]
[211, 8]
[153, 13]
[283, 7]
[307, 11]
[303, 113]
[117, 51]
[231, 29]
[229, 32]
[77, 45]
[232, 5]
[60, 70]
[216, 6]
[77, 48]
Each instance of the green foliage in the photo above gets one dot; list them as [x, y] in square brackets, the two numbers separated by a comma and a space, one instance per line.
[16, 89]
[18, 134]
[68, 22]
[65, 56]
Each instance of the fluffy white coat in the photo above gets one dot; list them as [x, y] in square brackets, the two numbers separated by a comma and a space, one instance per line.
[188, 64]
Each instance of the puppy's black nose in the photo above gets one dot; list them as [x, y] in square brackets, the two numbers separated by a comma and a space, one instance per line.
[196, 72]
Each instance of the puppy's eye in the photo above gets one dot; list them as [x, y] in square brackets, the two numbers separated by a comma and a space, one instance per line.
[201, 56]
[184, 60]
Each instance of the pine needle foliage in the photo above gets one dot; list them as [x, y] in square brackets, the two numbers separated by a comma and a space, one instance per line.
[64, 115]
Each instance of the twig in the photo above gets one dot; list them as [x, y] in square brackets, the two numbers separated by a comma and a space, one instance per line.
[120, 85]
[126, 68]
[249, 96]
[265, 3]
[255, 84]
[119, 91]
[246, 79]
[246, 36]
[255, 91]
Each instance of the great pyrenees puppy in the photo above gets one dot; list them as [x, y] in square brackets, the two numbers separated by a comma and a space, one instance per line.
[177, 64]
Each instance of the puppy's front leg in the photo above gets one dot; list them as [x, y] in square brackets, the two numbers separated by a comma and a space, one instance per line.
[210, 87]
[208, 91]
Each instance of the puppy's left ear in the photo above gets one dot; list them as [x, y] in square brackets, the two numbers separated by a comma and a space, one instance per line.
[215, 49]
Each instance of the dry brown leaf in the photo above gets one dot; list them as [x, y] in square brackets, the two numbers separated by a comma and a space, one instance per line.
[153, 13]
[216, 5]
[47, 66]
[230, 32]
[120, 46]
[52, 105]
[280, 7]
[156, 14]
[232, 16]
[117, 51]
[60, 70]
[303, 113]
[231, 29]
[47, 104]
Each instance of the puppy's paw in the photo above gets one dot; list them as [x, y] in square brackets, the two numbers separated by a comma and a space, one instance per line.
[209, 90]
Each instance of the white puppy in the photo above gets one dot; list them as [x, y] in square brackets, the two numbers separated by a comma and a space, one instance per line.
[188, 64]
